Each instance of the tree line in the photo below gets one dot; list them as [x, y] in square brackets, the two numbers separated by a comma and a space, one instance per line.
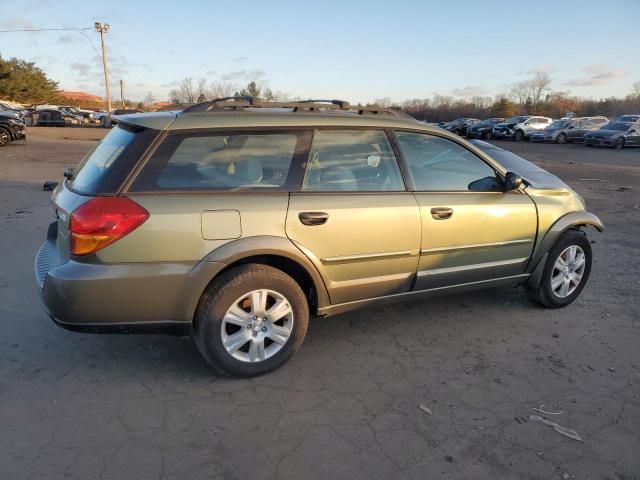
[24, 82]
[529, 97]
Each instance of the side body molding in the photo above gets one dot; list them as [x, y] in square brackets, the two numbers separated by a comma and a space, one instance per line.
[270, 245]
[564, 223]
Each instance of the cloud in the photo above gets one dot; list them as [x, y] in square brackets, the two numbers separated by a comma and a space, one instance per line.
[599, 74]
[17, 23]
[543, 68]
[239, 59]
[66, 39]
[470, 91]
[244, 75]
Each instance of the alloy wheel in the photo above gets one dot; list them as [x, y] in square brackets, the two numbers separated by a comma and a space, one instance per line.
[4, 138]
[568, 271]
[257, 325]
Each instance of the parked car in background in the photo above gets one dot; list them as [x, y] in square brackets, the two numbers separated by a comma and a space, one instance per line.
[86, 114]
[628, 118]
[521, 127]
[564, 131]
[460, 125]
[244, 270]
[483, 128]
[600, 121]
[11, 107]
[12, 127]
[125, 111]
[615, 134]
[50, 117]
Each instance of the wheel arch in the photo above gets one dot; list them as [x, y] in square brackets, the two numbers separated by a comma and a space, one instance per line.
[570, 221]
[277, 252]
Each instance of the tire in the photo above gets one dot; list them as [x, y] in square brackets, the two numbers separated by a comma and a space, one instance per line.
[561, 138]
[5, 137]
[487, 135]
[518, 136]
[234, 287]
[619, 143]
[551, 297]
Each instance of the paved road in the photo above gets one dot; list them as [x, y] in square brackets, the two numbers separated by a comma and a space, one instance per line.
[347, 406]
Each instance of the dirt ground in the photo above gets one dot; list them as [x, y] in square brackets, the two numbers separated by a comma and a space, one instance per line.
[348, 404]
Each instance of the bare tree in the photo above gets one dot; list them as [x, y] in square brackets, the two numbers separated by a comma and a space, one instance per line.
[149, 99]
[221, 89]
[538, 86]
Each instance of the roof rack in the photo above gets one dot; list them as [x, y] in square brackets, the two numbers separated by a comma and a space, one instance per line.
[240, 103]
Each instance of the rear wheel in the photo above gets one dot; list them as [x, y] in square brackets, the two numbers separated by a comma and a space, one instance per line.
[561, 138]
[619, 143]
[251, 320]
[566, 271]
[518, 136]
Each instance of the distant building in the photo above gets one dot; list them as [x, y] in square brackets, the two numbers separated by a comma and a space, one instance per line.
[159, 106]
[81, 96]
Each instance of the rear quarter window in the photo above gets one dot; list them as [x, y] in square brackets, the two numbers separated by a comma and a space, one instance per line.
[219, 161]
[104, 169]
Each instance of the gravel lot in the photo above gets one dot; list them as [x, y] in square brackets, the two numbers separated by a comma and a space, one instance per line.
[348, 405]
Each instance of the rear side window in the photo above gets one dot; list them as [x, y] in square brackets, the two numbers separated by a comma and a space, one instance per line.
[104, 169]
[220, 161]
[352, 161]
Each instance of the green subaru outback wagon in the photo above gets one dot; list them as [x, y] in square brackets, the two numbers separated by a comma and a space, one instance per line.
[236, 221]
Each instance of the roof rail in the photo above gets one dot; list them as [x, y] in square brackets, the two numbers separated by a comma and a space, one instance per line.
[206, 106]
[239, 103]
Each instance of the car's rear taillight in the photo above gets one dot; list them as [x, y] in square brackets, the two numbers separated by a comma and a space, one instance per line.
[101, 221]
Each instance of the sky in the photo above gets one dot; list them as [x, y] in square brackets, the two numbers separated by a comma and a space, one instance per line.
[354, 50]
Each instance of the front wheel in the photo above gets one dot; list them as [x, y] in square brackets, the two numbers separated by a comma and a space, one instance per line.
[561, 138]
[619, 143]
[251, 320]
[518, 136]
[487, 135]
[5, 138]
[566, 271]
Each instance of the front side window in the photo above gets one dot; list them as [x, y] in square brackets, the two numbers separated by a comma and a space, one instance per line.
[352, 161]
[438, 164]
[218, 161]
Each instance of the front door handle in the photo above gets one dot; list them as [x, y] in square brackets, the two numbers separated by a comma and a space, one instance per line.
[441, 213]
[313, 218]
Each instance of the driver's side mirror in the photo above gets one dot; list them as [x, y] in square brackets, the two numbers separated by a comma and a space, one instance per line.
[571, 127]
[512, 181]
[527, 123]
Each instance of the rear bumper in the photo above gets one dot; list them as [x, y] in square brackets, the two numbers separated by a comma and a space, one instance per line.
[95, 297]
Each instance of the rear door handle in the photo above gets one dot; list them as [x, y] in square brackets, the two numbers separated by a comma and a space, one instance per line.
[441, 213]
[313, 218]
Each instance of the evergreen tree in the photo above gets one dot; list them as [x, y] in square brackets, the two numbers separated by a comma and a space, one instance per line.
[24, 82]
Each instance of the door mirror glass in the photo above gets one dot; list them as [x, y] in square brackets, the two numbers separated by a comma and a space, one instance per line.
[512, 181]
[373, 161]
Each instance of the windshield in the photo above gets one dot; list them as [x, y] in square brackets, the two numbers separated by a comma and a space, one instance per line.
[559, 124]
[515, 119]
[490, 121]
[104, 168]
[616, 126]
[72, 110]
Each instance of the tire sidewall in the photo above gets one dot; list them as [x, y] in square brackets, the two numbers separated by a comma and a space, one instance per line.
[569, 238]
[518, 136]
[208, 334]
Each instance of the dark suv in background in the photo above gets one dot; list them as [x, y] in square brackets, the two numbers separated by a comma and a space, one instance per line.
[483, 129]
[12, 128]
[460, 125]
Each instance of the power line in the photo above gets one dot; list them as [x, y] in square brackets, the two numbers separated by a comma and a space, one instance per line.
[46, 30]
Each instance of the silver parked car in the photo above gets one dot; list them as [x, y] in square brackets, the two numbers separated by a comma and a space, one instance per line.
[564, 131]
[521, 127]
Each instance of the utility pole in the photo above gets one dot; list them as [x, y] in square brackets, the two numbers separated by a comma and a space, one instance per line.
[103, 28]
[122, 94]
